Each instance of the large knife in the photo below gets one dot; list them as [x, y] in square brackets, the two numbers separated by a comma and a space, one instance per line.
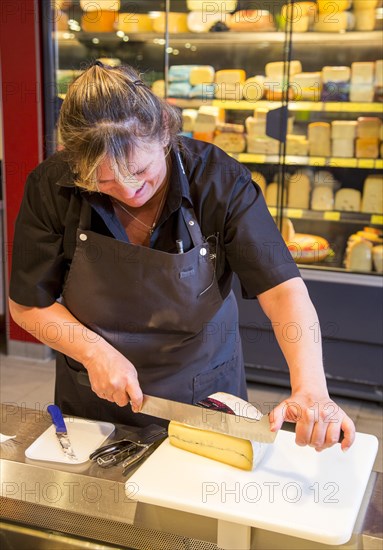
[210, 419]
[61, 431]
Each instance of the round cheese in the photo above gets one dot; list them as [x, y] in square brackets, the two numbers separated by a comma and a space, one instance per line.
[307, 248]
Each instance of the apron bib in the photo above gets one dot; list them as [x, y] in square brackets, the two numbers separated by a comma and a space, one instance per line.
[162, 311]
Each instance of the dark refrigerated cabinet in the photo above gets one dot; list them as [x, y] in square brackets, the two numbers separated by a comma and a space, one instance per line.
[319, 156]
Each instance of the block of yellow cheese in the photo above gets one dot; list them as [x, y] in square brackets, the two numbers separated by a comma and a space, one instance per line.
[343, 148]
[324, 23]
[299, 191]
[322, 198]
[231, 142]
[362, 72]
[201, 74]
[234, 451]
[372, 201]
[367, 148]
[368, 127]
[358, 254]
[348, 200]
[319, 134]
[343, 129]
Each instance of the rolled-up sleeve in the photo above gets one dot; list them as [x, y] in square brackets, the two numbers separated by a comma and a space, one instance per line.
[255, 249]
[38, 266]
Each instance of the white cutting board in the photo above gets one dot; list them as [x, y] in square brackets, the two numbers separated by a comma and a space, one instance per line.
[295, 490]
[85, 437]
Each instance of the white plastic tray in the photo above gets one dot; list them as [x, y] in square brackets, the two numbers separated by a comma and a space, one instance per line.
[85, 436]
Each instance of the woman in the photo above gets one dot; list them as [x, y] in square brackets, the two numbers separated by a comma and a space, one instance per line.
[126, 243]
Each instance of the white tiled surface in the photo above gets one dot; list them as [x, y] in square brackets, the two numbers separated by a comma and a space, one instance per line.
[31, 383]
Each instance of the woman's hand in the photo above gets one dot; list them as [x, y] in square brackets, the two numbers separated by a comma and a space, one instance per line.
[113, 377]
[319, 421]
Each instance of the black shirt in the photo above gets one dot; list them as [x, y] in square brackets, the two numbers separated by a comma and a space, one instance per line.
[226, 202]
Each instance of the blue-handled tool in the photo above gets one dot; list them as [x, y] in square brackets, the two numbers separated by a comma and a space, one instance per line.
[61, 431]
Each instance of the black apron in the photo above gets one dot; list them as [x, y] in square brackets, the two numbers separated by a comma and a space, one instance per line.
[162, 311]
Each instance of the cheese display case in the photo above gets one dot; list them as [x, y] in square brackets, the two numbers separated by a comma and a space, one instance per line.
[293, 90]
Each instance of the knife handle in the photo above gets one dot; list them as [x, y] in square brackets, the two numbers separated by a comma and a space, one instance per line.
[57, 418]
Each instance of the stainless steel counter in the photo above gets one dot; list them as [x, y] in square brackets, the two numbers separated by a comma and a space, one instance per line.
[85, 506]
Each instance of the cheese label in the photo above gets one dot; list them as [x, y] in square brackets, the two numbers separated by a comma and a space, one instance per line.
[331, 216]
[343, 162]
[376, 219]
[365, 163]
[294, 213]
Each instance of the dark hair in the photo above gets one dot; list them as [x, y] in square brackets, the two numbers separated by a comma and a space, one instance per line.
[109, 112]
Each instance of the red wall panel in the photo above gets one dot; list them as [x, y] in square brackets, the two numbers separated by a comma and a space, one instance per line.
[22, 96]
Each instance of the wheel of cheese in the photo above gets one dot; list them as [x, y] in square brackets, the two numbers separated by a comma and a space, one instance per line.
[230, 450]
[308, 249]
[251, 20]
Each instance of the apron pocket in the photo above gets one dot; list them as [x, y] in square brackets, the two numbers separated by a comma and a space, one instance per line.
[224, 377]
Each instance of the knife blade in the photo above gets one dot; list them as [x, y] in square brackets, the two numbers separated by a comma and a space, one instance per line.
[61, 431]
[209, 419]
